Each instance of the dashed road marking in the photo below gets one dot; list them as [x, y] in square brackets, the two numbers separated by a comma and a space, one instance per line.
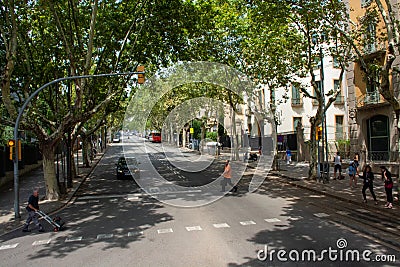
[272, 220]
[221, 225]
[247, 223]
[74, 239]
[342, 212]
[104, 236]
[164, 231]
[3, 247]
[41, 242]
[194, 228]
[321, 215]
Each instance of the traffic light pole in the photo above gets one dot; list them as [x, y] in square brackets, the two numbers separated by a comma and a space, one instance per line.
[17, 214]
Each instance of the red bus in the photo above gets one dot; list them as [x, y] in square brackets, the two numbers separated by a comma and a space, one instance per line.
[156, 137]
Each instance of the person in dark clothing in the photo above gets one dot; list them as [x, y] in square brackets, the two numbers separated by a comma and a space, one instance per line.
[33, 206]
[387, 178]
[368, 177]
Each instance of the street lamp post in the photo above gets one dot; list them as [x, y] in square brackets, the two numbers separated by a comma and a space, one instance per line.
[21, 111]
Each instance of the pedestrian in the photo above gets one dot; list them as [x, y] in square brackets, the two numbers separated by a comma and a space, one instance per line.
[288, 156]
[368, 177]
[387, 178]
[352, 174]
[337, 166]
[32, 208]
[227, 177]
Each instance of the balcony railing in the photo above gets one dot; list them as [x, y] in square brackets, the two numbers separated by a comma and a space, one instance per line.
[370, 98]
[297, 101]
[339, 100]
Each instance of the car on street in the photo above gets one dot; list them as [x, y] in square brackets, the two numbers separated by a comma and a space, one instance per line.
[127, 168]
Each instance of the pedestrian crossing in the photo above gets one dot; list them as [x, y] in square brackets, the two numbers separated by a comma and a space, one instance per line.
[161, 231]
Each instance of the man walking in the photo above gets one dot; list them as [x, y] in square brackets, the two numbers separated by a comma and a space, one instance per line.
[338, 167]
[33, 206]
[228, 177]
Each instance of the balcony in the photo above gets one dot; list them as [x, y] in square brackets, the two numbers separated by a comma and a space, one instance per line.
[339, 100]
[296, 102]
[370, 99]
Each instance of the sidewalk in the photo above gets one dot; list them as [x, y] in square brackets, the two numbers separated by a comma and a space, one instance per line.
[296, 174]
[26, 184]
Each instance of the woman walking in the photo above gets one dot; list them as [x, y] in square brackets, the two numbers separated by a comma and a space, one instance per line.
[368, 177]
[387, 178]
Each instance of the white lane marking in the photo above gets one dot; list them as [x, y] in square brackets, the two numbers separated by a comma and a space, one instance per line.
[321, 215]
[132, 198]
[272, 220]
[306, 237]
[221, 225]
[247, 223]
[3, 247]
[342, 212]
[114, 200]
[96, 197]
[164, 231]
[135, 233]
[362, 210]
[41, 242]
[190, 195]
[104, 236]
[74, 239]
[194, 228]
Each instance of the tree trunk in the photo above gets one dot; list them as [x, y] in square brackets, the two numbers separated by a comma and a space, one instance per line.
[85, 150]
[52, 188]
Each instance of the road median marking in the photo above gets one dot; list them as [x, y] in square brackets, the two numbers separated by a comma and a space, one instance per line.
[104, 236]
[73, 239]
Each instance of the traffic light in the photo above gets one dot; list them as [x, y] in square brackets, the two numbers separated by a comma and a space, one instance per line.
[140, 75]
[11, 145]
[319, 133]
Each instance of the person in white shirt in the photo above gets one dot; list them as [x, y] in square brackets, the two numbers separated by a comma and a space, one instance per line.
[338, 166]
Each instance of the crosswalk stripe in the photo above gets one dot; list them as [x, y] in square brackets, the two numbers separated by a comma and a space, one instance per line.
[104, 236]
[321, 215]
[272, 220]
[74, 239]
[3, 247]
[41, 242]
[164, 231]
[193, 228]
[247, 223]
[136, 233]
[221, 225]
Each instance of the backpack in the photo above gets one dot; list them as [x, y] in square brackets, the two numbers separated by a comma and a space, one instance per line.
[352, 169]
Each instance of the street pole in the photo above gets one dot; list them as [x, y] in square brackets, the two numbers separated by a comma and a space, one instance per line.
[324, 128]
[18, 120]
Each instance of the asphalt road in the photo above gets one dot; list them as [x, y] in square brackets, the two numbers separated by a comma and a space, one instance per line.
[114, 223]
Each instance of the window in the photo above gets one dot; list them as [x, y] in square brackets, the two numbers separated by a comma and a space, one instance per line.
[296, 121]
[339, 98]
[370, 38]
[339, 127]
[296, 97]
